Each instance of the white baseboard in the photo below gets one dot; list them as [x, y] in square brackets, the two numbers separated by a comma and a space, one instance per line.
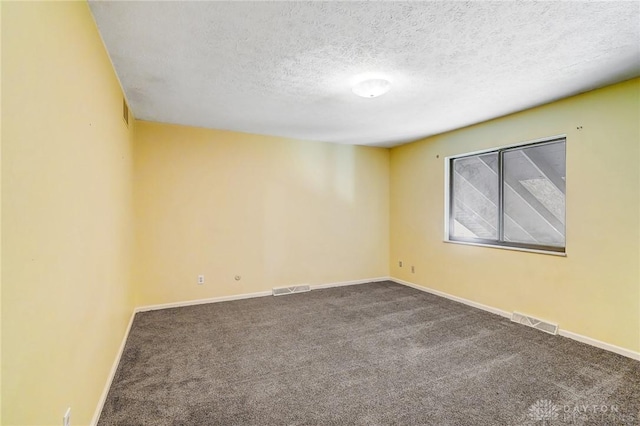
[248, 295]
[600, 344]
[201, 301]
[455, 298]
[578, 337]
[112, 373]
[345, 283]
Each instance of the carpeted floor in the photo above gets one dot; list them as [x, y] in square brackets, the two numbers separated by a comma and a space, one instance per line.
[371, 354]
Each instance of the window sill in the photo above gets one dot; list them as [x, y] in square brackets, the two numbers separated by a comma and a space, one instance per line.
[466, 243]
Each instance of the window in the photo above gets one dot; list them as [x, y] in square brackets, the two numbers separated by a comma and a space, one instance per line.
[510, 197]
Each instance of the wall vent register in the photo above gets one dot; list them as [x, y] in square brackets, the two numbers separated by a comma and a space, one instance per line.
[125, 112]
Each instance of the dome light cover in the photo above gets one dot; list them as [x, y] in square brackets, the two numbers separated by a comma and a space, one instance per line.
[372, 88]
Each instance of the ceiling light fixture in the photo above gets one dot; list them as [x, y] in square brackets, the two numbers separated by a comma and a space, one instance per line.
[372, 88]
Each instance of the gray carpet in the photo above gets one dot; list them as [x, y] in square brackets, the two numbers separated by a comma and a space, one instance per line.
[371, 354]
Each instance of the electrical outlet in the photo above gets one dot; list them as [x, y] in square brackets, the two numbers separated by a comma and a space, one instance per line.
[400, 263]
[200, 279]
[66, 419]
[413, 269]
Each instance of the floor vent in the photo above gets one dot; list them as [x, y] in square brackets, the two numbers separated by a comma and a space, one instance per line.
[545, 326]
[291, 290]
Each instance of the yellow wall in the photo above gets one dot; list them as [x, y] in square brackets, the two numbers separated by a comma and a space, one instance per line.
[0, 215]
[595, 290]
[67, 214]
[277, 212]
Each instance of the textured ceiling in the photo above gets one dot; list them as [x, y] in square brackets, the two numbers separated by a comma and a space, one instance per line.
[286, 68]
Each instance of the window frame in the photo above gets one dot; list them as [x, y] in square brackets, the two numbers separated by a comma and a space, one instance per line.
[499, 242]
